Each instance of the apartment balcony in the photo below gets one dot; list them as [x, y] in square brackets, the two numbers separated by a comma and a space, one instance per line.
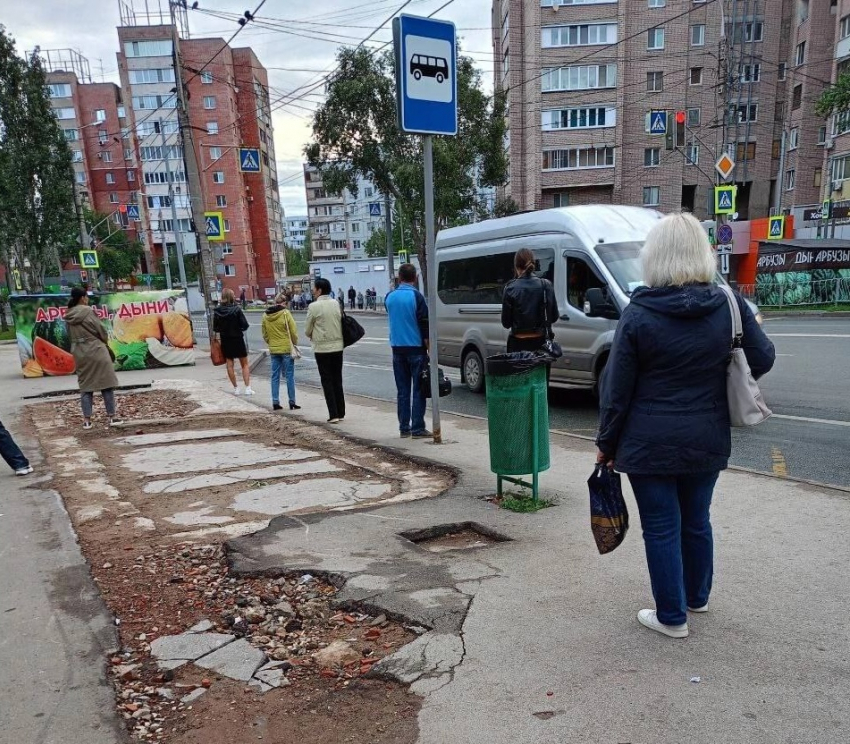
[329, 254]
[842, 49]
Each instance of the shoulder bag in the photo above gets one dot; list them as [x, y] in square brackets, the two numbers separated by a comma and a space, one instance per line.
[216, 353]
[746, 405]
[296, 352]
[550, 345]
[352, 331]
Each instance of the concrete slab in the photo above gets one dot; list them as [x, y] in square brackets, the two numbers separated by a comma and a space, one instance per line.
[232, 477]
[193, 458]
[200, 516]
[188, 646]
[202, 627]
[146, 440]
[272, 677]
[308, 494]
[429, 656]
[193, 696]
[237, 660]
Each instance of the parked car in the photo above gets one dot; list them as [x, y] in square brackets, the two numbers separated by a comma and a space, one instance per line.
[591, 254]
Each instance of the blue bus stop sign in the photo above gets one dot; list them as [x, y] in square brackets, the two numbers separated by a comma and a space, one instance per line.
[426, 75]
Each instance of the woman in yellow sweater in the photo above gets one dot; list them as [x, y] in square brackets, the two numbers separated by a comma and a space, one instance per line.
[281, 335]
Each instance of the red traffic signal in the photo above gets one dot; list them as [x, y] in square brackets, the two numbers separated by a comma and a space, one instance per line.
[680, 117]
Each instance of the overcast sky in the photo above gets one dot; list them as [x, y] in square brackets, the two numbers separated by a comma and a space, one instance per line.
[89, 27]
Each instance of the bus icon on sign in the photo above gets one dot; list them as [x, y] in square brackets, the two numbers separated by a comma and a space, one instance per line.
[433, 67]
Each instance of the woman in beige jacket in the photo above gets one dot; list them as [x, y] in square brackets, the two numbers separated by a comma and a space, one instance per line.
[324, 329]
[95, 368]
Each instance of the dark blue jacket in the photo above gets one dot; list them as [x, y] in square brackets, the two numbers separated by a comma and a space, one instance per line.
[663, 408]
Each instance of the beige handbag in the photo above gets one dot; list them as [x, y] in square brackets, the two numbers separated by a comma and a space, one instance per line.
[296, 352]
[746, 405]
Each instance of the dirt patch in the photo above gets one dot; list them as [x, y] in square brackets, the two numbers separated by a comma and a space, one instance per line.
[155, 404]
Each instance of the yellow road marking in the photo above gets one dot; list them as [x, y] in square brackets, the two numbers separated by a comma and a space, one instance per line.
[780, 467]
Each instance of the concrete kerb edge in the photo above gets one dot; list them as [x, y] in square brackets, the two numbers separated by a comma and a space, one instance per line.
[803, 315]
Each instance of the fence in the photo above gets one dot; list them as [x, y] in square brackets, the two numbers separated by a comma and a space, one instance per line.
[789, 294]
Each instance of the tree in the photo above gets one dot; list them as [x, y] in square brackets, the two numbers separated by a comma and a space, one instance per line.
[836, 98]
[296, 262]
[37, 214]
[376, 246]
[4, 305]
[356, 134]
[119, 256]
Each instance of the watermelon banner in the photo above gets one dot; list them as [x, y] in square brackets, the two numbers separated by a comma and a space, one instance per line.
[147, 330]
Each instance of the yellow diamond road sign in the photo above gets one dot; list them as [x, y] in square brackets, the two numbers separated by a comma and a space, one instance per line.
[724, 165]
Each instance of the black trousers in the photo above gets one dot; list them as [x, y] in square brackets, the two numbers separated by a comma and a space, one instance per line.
[330, 372]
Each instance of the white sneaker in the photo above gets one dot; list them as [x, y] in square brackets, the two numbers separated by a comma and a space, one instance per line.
[87, 424]
[115, 422]
[650, 620]
[704, 608]
[249, 391]
[24, 471]
[237, 391]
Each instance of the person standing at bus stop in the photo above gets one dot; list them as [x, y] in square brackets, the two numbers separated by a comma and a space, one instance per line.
[529, 306]
[408, 318]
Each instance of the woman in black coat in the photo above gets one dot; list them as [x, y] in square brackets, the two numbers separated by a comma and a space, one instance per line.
[529, 306]
[664, 417]
[230, 324]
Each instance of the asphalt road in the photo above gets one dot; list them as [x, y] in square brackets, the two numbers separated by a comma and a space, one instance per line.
[808, 437]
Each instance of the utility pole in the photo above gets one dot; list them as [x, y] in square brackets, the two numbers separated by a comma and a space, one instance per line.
[166, 261]
[388, 226]
[206, 264]
[178, 241]
[780, 177]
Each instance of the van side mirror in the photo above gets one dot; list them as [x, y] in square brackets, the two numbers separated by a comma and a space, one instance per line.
[598, 305]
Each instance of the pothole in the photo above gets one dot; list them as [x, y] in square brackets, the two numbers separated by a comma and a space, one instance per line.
[443, 538]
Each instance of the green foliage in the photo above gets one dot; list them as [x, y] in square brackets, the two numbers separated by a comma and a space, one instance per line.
[376, 246]
[356, 134]
[119, 256]
[37, 214]
[836, 98]
[296, 262]
[4, 306]
[523, 503]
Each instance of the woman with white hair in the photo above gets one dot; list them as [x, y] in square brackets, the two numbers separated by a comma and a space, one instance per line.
[664, 417]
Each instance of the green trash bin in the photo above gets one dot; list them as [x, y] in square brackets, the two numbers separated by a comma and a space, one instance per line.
[517, 418]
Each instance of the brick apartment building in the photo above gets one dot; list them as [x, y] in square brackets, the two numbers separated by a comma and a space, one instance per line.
[129, 142]
[578, 108]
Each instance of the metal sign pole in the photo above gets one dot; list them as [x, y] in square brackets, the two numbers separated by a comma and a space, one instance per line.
[431, 255]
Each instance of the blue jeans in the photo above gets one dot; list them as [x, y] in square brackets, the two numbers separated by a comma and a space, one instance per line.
[283, 364]
[674, 515]
[10, 451]
[407, 367]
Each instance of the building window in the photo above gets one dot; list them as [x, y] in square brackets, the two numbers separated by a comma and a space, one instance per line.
[59, 90]
[655, 38]
[794, 138]
[817, 176]
[561, 199]
[155, 152]
[578, 158]
[81, 177]
[579, 118]
[822, 136]
[651, 157]
[113, 197]
[698, 34]
[148, 48]
[696, 75]
[215, 153]
[76, 156]
[212, 127]
[747, 31]
[102, 137]
[790, 178]
[844, 27]
[229, 269]
[551, 3]
[226, 249]
[106, 156]
[110, 177]
[655, 82]
[797, 97]
[71, 135]
[160, 75]
[125, 133]
[128, 154]
[750, 73]
[100, 115]
[220, 200]
[800, 53]
[131, 175]
[149, 103]
[747, 112]
[218, 176]
[692, 154]
[209, 102]
[206, 77]
[693, 117]
[580, 35]
[651, 196]
[745, 151]
[579, 77]
[780, 73]
[65, 113]
[158, 202]
[657, 3]
[227, 226]
[839, 168]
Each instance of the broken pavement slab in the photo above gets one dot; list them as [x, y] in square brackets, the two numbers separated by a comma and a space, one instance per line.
[425, 663]
[237, 660]
[188, 646]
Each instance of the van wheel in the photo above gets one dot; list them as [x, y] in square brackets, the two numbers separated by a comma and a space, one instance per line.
[473, 371]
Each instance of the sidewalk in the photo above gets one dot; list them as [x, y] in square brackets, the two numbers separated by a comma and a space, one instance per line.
[531, 639]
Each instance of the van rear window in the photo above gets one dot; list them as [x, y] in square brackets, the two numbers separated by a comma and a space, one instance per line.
[481, 280]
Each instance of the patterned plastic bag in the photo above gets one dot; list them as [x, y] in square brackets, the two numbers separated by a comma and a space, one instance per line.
[609, 518]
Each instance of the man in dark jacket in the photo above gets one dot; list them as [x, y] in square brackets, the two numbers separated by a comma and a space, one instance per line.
[352, 296]
[408, 318]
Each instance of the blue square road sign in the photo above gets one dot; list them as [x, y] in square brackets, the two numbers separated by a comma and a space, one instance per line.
[133, 213]
[426, 75]
[374, 210]
[658, 122]
[249, 159]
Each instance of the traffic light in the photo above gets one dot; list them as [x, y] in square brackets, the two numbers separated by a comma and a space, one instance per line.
[680, 129]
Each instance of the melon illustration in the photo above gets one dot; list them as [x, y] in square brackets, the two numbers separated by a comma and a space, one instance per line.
[169, 356]
[141, 328]
[53, 360]
[178, 330]
[33, 369]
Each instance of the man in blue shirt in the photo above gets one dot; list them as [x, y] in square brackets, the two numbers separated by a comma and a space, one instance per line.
[408, 316]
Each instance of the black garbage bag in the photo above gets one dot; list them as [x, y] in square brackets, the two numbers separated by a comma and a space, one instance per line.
[517, 362]
[609, 518]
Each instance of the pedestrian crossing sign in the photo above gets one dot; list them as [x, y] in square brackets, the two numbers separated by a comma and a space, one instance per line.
[658, 122]
[776, 227]
[249, 159]
[724, 199]
[89, 260]
[214, 223]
